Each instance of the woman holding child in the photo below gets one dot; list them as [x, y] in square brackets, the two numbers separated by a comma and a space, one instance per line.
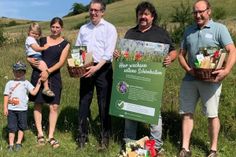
[55, 56]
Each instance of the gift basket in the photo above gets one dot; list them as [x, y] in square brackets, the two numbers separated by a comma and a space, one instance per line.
[207, 61]
[78, 71]
[77, 65]
[204, 74]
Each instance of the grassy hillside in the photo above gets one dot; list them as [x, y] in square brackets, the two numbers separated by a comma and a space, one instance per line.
[9, 22]
[122, 15]
[5, 20]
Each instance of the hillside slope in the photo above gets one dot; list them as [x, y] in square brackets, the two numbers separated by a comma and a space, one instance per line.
[122, 13]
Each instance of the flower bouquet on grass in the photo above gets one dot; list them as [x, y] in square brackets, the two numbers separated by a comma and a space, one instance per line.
[141, 148]
[208, 60]
[79, 61]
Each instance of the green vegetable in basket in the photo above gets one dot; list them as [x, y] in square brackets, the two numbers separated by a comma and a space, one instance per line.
[197, 64]
[77, 62]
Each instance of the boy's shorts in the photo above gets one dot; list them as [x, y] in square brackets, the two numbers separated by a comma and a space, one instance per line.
[36, 57]
[209, 93]
[17, 120]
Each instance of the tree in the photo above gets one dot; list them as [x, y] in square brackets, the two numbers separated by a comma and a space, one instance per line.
[182, 16]
[219, 13]
[77, 8]
[2, 37]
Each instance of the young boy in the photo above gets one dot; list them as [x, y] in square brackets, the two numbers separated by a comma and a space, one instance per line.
[15, 104]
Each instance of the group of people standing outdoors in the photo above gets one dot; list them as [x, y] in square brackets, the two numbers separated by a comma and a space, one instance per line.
[100, 37]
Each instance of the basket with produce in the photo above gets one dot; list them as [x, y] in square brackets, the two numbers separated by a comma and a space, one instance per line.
[207, 61]
[77, 65]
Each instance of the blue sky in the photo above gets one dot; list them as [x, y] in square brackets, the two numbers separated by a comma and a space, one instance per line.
[43, 10]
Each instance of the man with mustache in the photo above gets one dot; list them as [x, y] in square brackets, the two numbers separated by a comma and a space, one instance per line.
[147, 30]
[204, 33]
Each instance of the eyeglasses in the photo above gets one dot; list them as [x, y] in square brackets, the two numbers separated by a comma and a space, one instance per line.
[199, 11]
[94, 10]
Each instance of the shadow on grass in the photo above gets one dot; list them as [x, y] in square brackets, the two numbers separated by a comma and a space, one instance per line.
[5, 134]
[116, 128]
[172, 125]
[199, 144]
[68, 122]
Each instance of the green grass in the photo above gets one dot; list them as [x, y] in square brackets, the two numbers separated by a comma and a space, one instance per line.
[67, 122]
[122, 15]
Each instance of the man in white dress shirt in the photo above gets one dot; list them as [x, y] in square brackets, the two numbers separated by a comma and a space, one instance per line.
[100, 38]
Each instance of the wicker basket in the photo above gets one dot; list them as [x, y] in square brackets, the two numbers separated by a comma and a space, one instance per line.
[78, 71]
[204, 74]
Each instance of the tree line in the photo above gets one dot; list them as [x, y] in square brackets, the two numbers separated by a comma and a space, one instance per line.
[78, 8]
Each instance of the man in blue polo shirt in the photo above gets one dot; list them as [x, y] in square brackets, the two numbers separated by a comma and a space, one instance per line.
[204, 33]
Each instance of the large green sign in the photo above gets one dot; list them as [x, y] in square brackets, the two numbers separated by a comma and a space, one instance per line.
[138, 81]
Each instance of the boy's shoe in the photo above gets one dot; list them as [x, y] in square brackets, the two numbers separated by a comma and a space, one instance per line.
[184, 153]
[18, 147]
[212, 153]
[10, 148]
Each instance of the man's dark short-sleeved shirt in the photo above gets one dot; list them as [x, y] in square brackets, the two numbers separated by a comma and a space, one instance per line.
[154, 34]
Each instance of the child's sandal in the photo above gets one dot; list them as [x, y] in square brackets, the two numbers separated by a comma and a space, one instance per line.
[48, 93]
[53, 142]
[40, 140]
